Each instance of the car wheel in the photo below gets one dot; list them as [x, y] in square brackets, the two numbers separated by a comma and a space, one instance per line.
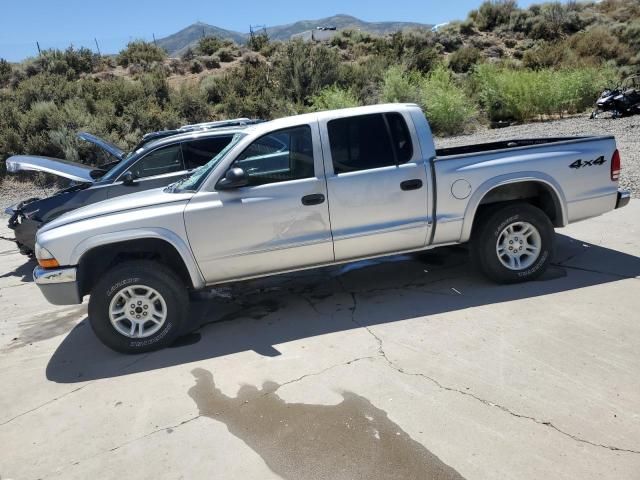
[513, 243]
[138, 306]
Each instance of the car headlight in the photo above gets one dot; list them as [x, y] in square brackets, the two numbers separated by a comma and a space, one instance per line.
[45, 258]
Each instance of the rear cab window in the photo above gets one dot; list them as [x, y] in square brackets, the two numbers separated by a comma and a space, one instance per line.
[366, 142]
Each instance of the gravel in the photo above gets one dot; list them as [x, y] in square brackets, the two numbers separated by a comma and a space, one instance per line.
[626, 131]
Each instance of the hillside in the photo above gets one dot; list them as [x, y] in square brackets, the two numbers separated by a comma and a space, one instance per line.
[503, 65]
[177, 43]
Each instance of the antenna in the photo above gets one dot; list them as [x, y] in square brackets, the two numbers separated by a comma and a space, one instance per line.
[97, 46]
[154, 39]
[38, 45]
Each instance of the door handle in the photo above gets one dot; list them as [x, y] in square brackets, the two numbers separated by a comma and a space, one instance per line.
[414, 184]
[314, 199]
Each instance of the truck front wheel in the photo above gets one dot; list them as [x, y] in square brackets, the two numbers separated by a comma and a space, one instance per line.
[138, 306]
[513, 243]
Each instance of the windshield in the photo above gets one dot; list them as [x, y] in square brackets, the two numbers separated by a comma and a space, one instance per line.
[193, 181]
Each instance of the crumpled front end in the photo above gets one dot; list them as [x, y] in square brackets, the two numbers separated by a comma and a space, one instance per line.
[24, 225]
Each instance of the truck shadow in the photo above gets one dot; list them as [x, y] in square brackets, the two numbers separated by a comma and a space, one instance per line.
[256, 315]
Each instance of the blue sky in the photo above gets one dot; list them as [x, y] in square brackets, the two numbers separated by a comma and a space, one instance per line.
[59, 23]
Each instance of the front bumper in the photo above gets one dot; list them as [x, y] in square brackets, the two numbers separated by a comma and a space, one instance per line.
[623, 198]
[58, 285]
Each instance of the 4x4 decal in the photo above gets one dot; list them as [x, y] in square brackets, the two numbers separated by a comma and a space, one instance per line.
[587, 163]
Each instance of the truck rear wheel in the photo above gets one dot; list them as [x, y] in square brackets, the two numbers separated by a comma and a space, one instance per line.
[513, 243]
[138, 306]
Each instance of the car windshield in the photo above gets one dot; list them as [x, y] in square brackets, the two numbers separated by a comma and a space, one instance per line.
[193, 181]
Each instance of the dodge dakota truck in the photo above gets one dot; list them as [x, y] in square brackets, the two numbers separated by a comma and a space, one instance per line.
[314, 190]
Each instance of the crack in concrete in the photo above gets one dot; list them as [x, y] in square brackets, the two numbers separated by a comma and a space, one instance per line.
[319, 372]
[582, 269]
[43, 405]
[153, 432]
[124, 444]
[123, 368]
[400, 370]
[507, 410]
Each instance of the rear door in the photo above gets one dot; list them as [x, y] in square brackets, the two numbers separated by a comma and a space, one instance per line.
[377, 185]
[279, 222]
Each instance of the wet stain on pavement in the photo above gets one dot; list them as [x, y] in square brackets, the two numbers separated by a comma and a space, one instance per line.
[353, 439]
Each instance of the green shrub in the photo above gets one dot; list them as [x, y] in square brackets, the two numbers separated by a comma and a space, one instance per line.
[399, 85]
[491, 14]
[424, 61]
[258, 41]
[5, 72]
[209, 45]
[447, 106]
[300, 70]
[210, 61]
[196, 66]
[549, 54]
[463, 60]
[141, 53]
[333, 97]
[599, 43]
[190, 103]
[225, 54]
[521, 95]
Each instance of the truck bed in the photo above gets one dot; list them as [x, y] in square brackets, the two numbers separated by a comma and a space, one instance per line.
[505, 145]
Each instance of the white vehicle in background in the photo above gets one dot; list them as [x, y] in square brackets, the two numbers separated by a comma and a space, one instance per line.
[315, 190]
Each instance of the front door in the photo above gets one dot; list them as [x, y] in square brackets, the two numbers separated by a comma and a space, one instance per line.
[279, 222]
[377, 184]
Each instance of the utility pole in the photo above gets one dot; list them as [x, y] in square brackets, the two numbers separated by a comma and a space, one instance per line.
[39, 52]
[97, 46]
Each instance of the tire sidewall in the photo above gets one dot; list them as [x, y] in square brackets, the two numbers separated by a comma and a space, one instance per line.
[496, 224]
[114, 282]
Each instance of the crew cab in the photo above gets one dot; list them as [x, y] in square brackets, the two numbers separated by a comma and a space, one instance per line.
[315, 190]
[159, 159]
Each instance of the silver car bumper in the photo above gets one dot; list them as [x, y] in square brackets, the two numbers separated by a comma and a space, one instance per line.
[58, 285]
[623, 198]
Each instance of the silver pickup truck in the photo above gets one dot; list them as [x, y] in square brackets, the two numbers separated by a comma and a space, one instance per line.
[315, 190]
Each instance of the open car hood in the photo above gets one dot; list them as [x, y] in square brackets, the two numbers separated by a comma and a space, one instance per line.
[56, 166]
[108, 147]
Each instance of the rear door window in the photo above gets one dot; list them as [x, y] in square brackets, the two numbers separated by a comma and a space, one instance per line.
[369, 141]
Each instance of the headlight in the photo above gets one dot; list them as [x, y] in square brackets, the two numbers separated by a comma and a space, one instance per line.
[45, 258]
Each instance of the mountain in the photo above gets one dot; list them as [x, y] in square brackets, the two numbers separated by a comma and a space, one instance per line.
[177, 43]
[341, 22]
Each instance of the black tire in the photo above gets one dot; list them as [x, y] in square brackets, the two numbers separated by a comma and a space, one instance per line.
[488, 230]
[148, 274]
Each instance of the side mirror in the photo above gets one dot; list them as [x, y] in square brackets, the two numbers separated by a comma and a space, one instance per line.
[234, 178]
[128, 178]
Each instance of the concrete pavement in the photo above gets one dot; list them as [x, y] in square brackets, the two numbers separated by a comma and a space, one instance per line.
[407, 367]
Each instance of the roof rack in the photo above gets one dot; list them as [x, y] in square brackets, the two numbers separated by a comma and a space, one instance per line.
[197, 127]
